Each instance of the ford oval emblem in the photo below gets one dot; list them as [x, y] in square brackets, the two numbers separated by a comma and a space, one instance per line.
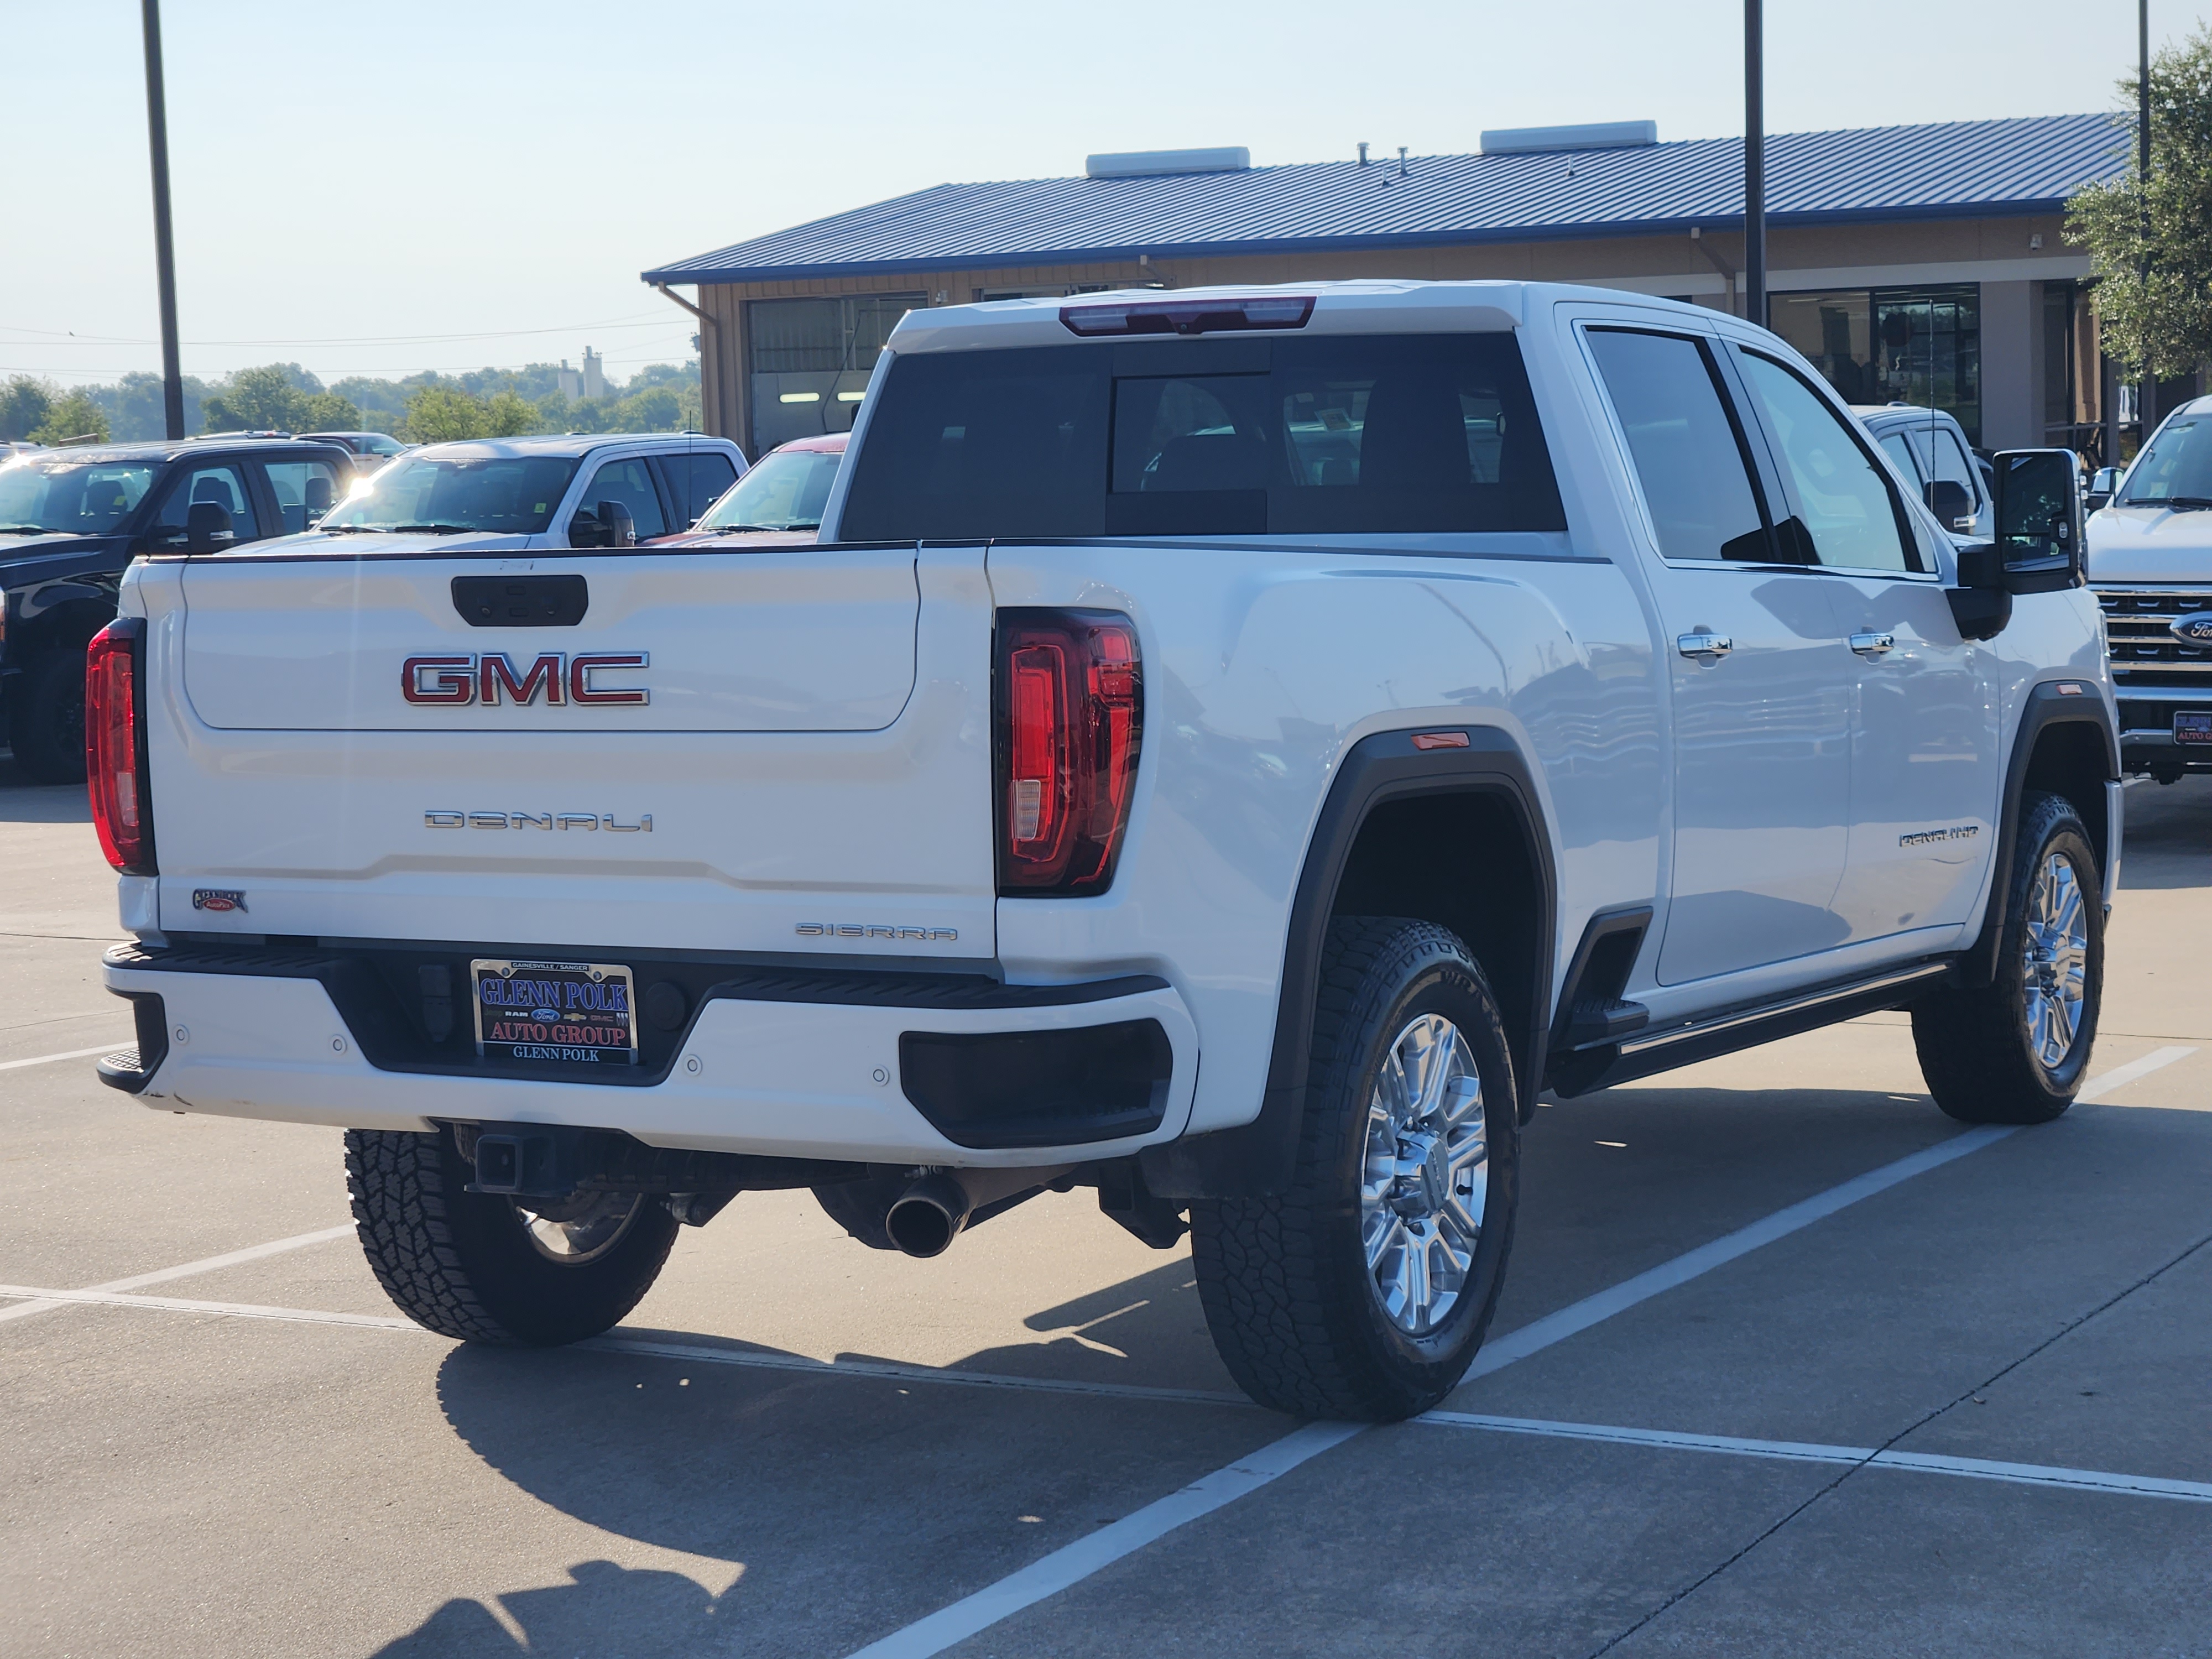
[2196, 629]
[546, 1016]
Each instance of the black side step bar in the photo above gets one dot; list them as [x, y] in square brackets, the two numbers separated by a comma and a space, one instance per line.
[1662, 1049]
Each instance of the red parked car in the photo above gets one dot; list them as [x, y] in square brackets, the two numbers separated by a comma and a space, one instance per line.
[779, 503]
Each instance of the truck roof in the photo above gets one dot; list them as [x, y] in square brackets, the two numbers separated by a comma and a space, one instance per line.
[561, 445]
[1337, 308]
[163, 449]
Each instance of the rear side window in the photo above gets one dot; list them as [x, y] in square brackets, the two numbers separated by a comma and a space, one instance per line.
[696, 481]
[1429, 433]
[222, 484]
[1689, 452]
[305, 492]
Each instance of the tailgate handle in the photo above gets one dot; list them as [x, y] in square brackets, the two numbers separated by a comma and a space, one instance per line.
[521, 601]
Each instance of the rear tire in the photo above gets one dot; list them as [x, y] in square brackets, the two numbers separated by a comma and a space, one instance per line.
[467, 1265]
[1364, 1289]
[2016, 1050]
[46, 723]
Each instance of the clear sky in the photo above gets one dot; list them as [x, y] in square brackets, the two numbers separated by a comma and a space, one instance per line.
[397, 185]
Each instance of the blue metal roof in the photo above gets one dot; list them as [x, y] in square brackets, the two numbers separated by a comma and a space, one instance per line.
[1951, 170]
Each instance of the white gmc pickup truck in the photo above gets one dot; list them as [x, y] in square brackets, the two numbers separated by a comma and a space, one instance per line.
[1229, 750]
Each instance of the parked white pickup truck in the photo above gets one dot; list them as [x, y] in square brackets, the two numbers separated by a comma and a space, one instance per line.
[2150, 566]
[1230, 750]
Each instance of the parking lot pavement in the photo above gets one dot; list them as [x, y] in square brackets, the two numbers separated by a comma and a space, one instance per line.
[1793, 1368]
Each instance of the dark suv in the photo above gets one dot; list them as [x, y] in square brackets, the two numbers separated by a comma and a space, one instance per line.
[72, 520]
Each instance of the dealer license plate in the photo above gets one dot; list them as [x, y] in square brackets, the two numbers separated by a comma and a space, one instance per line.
[2192, 726]
[557, 1012]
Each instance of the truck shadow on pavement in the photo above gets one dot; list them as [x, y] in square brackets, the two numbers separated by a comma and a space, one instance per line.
[579, 1617]
[23, 801]
[796, 1480]
[2169, 835]
[848, 1503]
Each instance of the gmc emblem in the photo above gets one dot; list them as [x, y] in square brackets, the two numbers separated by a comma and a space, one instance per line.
[456, 681]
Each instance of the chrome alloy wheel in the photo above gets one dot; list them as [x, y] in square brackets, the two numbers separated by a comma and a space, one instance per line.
[579, 1228]
[2055, 956]
[1426, 1177]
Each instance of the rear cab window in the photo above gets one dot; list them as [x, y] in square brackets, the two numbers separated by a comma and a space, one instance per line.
[1321, 434]
[223, 484]
[305, 491]
[696, 481]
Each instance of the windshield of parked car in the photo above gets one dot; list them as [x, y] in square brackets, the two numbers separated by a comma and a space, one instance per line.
[500, 495]
[84, 498]
[786, 491]
[2176, 470]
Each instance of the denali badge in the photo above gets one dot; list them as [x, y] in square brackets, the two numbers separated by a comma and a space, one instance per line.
[870, 930]
[218, 898]
[460, 680]
[531, 821]
[1937, 837]
[2194, 628]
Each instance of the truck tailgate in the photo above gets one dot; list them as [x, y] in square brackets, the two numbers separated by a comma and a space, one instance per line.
[779, 751]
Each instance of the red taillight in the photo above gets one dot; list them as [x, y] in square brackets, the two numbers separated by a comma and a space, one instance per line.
[115, 749]
[1071, 705]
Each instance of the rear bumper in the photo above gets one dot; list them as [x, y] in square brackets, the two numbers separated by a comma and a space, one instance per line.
[919, 1068]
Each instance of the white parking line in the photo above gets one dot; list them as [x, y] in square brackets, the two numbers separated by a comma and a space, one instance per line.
[49, 1300]
[233, 1309]
[1202, 1496]
[2120, 1075]
[1971, 1468]
[1501, 1352]
[1072, 1563]
[73, 1054]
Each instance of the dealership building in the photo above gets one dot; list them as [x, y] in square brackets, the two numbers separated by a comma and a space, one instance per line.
[1920, 264]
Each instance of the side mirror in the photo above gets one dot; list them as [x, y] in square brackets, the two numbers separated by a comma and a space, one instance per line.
[2039, 513]
[585, 530]
[621, 528]
[207, 526]
[2104, 485]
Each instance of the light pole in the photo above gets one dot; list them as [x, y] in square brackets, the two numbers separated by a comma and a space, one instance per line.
[2146, 394]
[1754, 165]
[165, 261]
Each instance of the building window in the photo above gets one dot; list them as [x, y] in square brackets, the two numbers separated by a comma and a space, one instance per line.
[811, 360]
[1915, 345]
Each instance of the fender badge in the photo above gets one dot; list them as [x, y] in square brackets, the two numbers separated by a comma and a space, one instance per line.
[218, 898]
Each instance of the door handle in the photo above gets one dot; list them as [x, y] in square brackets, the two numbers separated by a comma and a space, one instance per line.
[1704, 647]
[1873, 645]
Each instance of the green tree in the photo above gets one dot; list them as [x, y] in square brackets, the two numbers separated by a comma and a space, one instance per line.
[24, 403]
[655, 409]
[328, 412]
[507, 415]
[135, 409]
[436, 415]
[2150, 238]
[258, 400]
[76, 416]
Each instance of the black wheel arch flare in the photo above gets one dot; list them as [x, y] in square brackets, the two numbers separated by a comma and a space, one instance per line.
[2063, 769]
[1379, 772]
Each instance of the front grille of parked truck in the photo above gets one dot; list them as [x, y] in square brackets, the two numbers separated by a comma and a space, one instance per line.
[2139, 622]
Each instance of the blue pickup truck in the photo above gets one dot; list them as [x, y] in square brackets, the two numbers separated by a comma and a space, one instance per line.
[71, 519]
